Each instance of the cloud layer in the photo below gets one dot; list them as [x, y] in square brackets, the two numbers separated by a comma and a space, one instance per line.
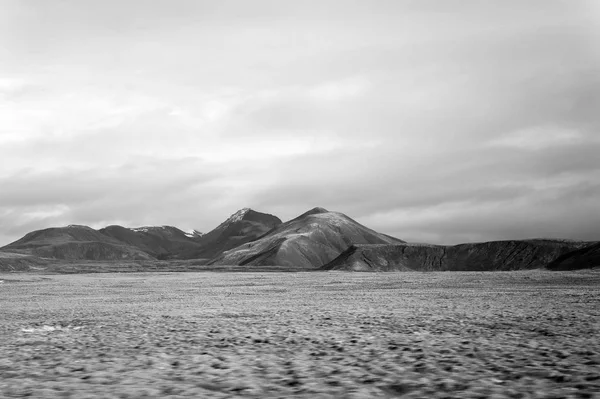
[439, 122]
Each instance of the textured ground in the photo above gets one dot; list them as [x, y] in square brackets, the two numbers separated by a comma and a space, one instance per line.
[527, 334]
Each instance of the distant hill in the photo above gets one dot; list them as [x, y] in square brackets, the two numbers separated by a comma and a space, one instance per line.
[583, 258]
[486, 256]
[243, 226]
[74, 242]
[308, 241]
[162, 242]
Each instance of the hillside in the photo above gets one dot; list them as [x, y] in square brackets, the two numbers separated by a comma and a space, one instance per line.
[13, 262]
[243, 226]
[488, 256]
[308, 241]
[162, 242]
[395, 257]
[583, 258]
[74, 242]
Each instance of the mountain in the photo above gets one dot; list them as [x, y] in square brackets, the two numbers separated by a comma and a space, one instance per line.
[74, 242]
[308, 241]
[159, 241]
[494, 255]
[583, 258]
[163, 242]
[243, 226]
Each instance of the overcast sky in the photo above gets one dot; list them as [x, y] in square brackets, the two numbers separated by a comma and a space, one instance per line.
[435, 121]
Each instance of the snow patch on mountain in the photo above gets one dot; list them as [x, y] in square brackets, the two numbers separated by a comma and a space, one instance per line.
[140, 229]
[239, 215]
[193, 234]
[146, 229]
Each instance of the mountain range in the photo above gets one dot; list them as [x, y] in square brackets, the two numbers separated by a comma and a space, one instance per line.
[307, 242]
[243, 226]
[316, 240]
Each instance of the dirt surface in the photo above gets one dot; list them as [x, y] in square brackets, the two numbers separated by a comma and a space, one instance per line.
[530, 334]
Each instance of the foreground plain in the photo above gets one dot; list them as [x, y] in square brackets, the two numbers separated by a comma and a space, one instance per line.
[530, 334]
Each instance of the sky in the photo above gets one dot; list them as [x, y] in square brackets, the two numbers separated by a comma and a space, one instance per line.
[433, 121]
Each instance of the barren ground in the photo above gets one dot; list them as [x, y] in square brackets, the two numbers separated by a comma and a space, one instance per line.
[528, 334]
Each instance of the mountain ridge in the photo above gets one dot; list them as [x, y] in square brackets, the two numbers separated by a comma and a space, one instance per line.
[317, 239]
[162, 242]
[74, 242]
[489, 255]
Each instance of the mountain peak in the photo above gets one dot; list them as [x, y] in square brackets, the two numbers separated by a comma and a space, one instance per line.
[78, 226]
[315, 211]
[239, 215]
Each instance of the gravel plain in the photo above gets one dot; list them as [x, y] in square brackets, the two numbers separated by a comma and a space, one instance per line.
[533, 334]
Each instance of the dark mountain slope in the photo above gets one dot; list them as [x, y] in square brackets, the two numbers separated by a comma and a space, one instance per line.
[243, 226]
[308, 241]
[507, 255]
[160, 241]
[74, 242]
[583, 258]
[494, 255]
[402, 257]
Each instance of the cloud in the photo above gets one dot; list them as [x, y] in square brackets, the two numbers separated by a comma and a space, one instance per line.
[430, 121]
[494, 187]
[539, 138]
[144, 191]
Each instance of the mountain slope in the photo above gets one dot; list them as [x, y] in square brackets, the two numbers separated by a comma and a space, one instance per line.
[583, 258]
[243, 226]
[396, 257]
[494, 255]
[159, 241]
[74, 242]
[308, 241]
[12, 262]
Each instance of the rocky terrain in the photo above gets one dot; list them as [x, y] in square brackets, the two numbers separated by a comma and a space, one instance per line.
[307, 242]
[527, 334]
[243, 226]
[495, 255]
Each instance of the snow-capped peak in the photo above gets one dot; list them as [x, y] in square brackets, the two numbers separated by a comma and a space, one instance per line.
[239, 215]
